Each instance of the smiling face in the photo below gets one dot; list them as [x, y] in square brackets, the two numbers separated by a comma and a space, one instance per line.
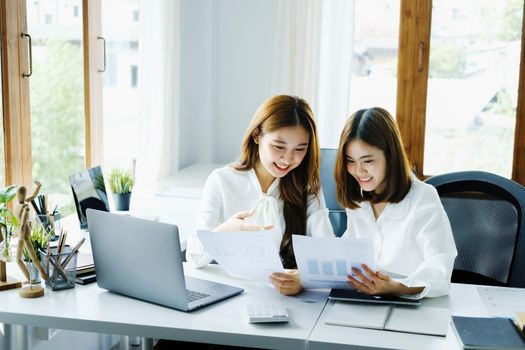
[367, 164]
[281, 151]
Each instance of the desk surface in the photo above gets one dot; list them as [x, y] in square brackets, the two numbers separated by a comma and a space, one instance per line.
[463, 300]
[89, 308]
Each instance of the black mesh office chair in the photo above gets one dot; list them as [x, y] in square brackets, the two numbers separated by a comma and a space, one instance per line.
[336, 213]
[486, 212]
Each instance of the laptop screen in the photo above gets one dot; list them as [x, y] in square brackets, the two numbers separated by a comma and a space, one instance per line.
[89, 191]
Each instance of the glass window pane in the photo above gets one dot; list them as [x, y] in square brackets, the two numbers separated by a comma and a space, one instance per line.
[374, 67]
[57, 96]
[120, 25]
[472, 87]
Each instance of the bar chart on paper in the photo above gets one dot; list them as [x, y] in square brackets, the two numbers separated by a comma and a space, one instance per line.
[330, 271]
[326, 262]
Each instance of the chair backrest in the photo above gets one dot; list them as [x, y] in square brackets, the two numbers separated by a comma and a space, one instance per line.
[335, 212]
[486, 212]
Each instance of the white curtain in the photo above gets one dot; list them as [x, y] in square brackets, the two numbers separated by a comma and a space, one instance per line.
[296, 63]
[313, 59]
[159, 42]
[335, 70]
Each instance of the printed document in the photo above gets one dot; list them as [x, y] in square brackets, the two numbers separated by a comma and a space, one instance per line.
[502, 302]
[325, 262]
[247, 254]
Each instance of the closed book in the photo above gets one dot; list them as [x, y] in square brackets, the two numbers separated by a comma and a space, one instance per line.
[86, 279]
[85, 270]
[487, 333]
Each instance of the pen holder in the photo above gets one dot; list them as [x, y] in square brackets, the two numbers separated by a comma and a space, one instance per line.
[61, 268]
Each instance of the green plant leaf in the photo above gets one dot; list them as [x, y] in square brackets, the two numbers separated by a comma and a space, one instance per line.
[121, 181]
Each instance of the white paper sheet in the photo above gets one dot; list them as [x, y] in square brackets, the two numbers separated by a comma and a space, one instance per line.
[502, 302]
[248, 254]
[325, 262]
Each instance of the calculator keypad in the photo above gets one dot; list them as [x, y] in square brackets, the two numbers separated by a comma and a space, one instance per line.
[266, 313]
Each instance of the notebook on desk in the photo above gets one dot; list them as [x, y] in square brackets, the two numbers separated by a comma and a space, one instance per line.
[428, 320]
[142, 259]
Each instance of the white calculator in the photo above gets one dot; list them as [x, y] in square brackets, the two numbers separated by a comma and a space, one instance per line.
[262, 313]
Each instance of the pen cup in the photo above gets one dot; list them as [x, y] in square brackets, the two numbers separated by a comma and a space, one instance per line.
[61, 268]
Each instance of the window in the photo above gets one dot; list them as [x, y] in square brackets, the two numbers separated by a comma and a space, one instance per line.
[473, 86]
[120, 93]
[374, 67]
[56, 104]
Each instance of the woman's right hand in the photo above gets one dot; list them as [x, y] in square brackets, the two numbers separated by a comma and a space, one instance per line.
[238, 223]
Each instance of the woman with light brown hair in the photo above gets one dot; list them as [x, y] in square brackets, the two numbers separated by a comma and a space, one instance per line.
[385, 202]
[275, 183]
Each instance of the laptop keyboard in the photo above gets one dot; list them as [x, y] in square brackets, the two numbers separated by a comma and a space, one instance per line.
[192, 295]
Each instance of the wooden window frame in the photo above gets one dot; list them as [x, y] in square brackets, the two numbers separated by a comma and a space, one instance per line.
[412, 84]
[15, 94]
[15, 89]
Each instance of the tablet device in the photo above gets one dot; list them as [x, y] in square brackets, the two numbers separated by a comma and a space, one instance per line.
[354, 295]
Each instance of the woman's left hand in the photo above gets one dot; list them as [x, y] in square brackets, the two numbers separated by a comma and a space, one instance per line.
[287, 283]
[374, 283]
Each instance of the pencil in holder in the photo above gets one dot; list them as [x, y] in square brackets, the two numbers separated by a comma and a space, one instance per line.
[61, 268]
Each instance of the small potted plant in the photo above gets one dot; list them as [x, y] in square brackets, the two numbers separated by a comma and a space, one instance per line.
[8, 222]
[38, 238]
[121, 183]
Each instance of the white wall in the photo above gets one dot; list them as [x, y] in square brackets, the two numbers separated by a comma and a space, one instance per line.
[226, 72]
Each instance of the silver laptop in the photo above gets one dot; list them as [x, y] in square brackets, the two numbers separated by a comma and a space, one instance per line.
[142, 259]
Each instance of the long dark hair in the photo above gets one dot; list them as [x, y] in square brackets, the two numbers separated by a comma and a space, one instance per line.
[275, 113]
[376, 127]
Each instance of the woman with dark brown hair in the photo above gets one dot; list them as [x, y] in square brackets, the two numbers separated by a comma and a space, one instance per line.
[384, 201]
[275, 184]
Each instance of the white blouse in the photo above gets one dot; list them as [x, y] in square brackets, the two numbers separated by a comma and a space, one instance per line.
[228, 191]
[412, 238]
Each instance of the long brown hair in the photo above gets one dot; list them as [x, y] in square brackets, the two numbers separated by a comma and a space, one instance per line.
[275, 113]
[376, 127]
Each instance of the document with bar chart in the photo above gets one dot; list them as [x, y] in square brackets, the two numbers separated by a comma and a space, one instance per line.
[325, 262]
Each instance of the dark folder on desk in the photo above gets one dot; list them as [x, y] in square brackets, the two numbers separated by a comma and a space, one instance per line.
[487, 333]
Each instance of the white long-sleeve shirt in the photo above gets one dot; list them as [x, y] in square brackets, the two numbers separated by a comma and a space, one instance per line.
[228, 191]
[412, 238]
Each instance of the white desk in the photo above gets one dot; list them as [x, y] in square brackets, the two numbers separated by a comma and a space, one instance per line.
[464, 301]
[89, 308]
